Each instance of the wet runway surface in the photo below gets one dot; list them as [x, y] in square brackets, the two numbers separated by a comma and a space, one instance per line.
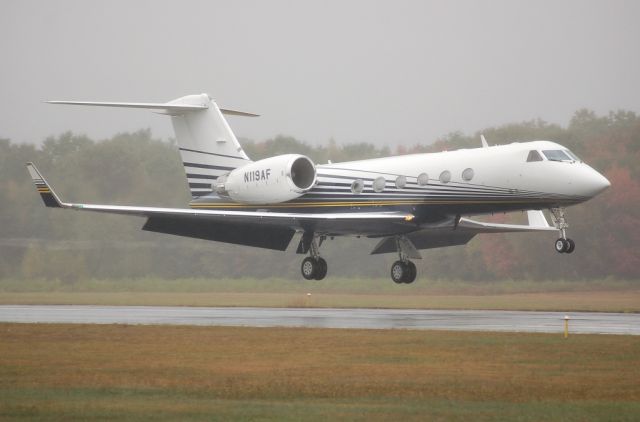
[542, 322]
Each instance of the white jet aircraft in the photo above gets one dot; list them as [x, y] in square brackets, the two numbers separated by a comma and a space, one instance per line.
[409, 202]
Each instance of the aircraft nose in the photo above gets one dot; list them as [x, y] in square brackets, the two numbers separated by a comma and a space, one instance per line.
[597, 183]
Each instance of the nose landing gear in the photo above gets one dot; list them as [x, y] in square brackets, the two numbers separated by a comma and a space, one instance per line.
[563, 244]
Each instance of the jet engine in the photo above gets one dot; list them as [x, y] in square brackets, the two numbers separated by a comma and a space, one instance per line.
[269, 181]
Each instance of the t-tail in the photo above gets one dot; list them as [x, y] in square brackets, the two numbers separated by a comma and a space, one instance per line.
[208, 147]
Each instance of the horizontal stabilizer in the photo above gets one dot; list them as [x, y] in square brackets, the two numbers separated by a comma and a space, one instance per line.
[165, 108]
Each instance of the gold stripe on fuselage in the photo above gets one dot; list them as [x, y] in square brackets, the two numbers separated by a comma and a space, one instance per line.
[354, 204]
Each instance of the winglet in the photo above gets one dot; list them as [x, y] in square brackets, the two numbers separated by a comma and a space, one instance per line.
[47, 194]
[484, 142]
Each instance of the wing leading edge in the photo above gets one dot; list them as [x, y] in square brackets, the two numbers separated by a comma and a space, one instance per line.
[461, 233]
[271, 230]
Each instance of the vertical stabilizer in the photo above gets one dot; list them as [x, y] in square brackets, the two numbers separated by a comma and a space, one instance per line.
[208, 147]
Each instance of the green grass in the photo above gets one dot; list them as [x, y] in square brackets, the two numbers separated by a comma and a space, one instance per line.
[603, 295]
[80, 372]
[96, 404]
[329, 285]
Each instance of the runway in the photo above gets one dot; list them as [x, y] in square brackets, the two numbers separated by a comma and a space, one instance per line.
[533, 322]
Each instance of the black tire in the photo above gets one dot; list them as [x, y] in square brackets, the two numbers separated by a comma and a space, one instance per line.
[571, 247]
[561, 245]
[309, 268]
[411, 273]
[321, 270]
[398, 272]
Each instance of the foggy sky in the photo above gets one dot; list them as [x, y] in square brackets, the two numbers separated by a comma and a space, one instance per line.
[384, 72]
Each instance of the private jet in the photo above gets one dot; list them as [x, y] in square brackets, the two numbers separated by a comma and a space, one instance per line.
[408, 202]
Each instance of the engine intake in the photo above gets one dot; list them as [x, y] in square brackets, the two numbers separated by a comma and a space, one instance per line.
[269, 181]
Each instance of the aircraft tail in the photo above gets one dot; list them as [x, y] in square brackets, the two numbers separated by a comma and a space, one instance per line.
[208, 147]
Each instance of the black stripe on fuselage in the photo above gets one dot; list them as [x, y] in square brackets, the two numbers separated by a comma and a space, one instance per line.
[430, 189]
[207, 166]
[411, 184]
[201, 176]
[200, 186]
[213, 153]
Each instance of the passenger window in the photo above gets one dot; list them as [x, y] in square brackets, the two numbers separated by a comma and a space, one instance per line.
[556, 155]
[533, 156]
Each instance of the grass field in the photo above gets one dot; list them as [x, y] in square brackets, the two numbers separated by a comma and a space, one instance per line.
[79, 372]
[611, 296]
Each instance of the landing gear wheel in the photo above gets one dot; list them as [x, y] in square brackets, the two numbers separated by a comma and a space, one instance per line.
[309, 268]
[398, 272]
[403, 272]
[562, 245]
[411, 273]
[571, 247]
[321, 269]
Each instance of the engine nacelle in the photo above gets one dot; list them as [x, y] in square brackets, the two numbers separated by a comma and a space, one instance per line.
[269, 181]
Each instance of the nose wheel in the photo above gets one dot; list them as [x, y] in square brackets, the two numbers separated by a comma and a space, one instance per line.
[563, 244]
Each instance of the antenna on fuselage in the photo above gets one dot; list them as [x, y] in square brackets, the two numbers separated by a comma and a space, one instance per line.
[484, 142]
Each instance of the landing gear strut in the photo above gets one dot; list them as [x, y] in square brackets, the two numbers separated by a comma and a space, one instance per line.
[563, 244]
[403, 270]
[313, 267]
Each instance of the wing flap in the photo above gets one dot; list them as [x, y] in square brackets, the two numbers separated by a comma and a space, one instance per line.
[246, 234]
[426, 239]
[463, 232]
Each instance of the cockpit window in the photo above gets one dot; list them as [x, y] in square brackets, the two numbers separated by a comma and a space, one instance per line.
[556, 155]
[533, 156]
[572, 155]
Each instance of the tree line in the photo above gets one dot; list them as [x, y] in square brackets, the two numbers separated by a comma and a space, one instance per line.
[136, 168]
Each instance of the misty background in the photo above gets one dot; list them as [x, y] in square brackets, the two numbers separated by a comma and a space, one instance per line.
[333, 80]
[389, 73]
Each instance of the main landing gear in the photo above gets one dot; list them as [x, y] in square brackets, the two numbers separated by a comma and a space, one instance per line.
[403, 270]
[313, 267]
[563, 244]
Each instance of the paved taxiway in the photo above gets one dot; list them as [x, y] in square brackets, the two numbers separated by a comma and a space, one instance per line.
[543, 322]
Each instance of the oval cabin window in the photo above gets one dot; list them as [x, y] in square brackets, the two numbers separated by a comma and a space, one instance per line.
[445, 176]
[357, 186]
[467, 174]
[423, 179]
[379, 184]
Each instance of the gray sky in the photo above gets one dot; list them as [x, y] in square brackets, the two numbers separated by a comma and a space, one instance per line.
[385, 72]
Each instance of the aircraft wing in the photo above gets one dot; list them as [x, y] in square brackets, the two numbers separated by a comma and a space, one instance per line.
[271, 230]
[461, 234]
